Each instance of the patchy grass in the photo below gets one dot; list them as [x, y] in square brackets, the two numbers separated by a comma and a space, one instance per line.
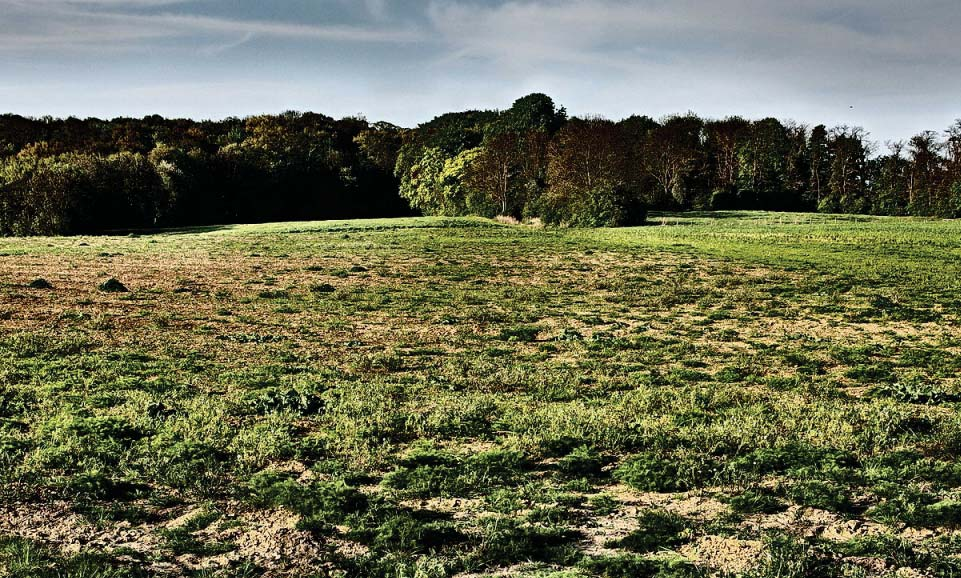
[718, 394]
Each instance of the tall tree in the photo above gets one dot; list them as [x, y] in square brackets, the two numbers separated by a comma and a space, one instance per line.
[848, 181]
[723, 139]
[672, 156]
[819, 161]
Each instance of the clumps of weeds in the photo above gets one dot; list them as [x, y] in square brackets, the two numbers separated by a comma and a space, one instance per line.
[507, 540]
[462, 417]
[24, 558]
[934, 361]
[756, 502]
[98, 484]
[871, 373]
[48, 346]
[558, 447]
[857, 355]
[904, 467]
[637, 566]
[321, 288]
[731, 374]
[519, 333]
[104, 428]
[183, 539]
[569, 334]
[357, 269]
[880, 306]
[796, 460]
[371, 520]
[321, 504]
[823, 494]
[87, 450]
[603, 504]
[893, 550]
[16, 401]
[274, 294]
[251, 338]
[383, 362]
[805, 363]
[728, 335]
[390, 565]
[113, 285]
[40, 283]
[650, 472]
[428, 472]
[781, 383]
[582, 462]
[914, 505]
[683, 375]
[787, 557]
[197, 468]
[284, 400]
[408, 532]
[914, 389]
[657, 530]
[97, 512]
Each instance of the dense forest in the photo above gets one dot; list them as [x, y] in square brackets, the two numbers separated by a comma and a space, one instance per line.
[64, 176]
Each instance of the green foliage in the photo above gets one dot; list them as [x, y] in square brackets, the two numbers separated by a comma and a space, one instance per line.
[321, 504]
[508, 540]
[582, 462]
[429, 472]
[755, 502]
[602, 207]
[914, 391]
[787, 558]
[653, 473]
[634, 566]
[826, 495]
[657, 530]
[22, 558]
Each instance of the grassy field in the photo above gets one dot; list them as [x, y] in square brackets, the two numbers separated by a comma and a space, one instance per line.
[712, 395]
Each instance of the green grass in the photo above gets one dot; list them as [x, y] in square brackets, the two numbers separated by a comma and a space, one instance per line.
[434, 397]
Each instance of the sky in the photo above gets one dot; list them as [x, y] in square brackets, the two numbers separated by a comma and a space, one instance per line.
[891, 66]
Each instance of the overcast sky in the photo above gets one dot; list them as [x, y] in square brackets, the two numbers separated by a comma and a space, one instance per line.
[896, 62]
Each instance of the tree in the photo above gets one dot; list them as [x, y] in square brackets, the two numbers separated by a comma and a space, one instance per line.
[723, 139]
[672, 156]
[848, 171]
[762, 171]
[819, 161]
[494, 169]
[797, 170]
[380, 145]
[924, 154]
[952, 167]
[421, 184]
[890, 181]
[587, 175]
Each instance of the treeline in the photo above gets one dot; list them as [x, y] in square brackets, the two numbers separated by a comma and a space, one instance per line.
[88, 176]
[533, 161]
[530, 161]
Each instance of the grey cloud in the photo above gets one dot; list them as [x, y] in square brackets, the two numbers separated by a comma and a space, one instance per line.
[68, 24]
[896, 62]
